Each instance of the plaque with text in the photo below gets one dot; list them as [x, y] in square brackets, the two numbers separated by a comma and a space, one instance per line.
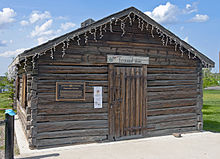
[70, 91]
[127, 59]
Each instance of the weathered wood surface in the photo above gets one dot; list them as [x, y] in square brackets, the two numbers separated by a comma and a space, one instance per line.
[175, 110]
[171, 103]
[69, 140]
[178, 129]
[71, 117]
[70, 125]
[127, 94]
[171, 94]
[170, 117]
[173, 124]
[72, 133]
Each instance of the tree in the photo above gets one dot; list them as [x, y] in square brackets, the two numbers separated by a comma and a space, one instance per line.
[7, 85]
[209, 78]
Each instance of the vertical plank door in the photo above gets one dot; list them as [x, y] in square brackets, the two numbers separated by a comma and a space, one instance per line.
[127, 101]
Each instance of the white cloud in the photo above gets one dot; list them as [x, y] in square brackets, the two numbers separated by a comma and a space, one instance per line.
[199, 18]
[43, 29]
[3, 43]
[62, 18]
[186, 39]
[164, 14]
[42, 40]
[24, 22]
[6, 16]
[67, 25]
[37, 15]
[12, 53]
[190, 8]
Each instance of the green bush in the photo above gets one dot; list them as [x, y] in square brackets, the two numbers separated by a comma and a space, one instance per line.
[210, 79]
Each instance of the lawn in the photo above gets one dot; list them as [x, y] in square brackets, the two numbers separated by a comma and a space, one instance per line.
[211, 110]
[5, 102]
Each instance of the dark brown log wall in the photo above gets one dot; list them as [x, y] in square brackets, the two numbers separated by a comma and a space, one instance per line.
[174, 88]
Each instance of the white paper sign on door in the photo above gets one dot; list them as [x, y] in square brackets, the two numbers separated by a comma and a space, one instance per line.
[97, 97]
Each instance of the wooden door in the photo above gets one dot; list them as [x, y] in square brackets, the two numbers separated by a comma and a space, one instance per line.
[127, 101]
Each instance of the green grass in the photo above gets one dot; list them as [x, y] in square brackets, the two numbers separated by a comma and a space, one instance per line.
[5, 102]
[211, 110]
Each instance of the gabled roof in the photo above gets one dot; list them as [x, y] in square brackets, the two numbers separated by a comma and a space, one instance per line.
[50, 44]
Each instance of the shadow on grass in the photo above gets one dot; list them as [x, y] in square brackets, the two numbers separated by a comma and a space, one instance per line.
[205, 106]
[211, 110]
[210, 125]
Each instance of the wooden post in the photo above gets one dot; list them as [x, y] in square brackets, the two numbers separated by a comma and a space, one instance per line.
[9, 134]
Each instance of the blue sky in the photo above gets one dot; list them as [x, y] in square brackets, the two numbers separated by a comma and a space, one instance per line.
[25, 24]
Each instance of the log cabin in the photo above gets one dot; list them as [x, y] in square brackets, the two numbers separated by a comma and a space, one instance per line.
[122, 77]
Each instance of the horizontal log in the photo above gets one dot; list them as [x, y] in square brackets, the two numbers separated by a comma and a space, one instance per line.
[171, 67]
[152, 96]
[102, 77]
[72, 70]
[70, 140]
[133, 44]
[77, 57]
[45, 83]
[173, 124]
[54, 118]
[152, 133]
[71, 125]
[171, 70]
[68, 105]
[72, 133]
[175, 110]
[171, 103]
[92, 57]
[171, 77]
[71, 63]
[169, 118]
[171, 82]
[171, 88]
[71, 111]
[74, 110]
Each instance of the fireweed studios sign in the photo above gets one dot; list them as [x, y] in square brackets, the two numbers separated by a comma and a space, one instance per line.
[127, 59]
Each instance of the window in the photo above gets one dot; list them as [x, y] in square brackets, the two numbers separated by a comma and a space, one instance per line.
[17, 88]
[24, 91]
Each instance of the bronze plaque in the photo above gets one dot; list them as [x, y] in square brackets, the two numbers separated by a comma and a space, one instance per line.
[70, 91]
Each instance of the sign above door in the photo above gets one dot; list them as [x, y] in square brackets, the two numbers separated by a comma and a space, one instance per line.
[127, 59]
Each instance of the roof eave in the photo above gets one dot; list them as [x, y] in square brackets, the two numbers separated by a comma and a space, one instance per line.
[51, 43]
